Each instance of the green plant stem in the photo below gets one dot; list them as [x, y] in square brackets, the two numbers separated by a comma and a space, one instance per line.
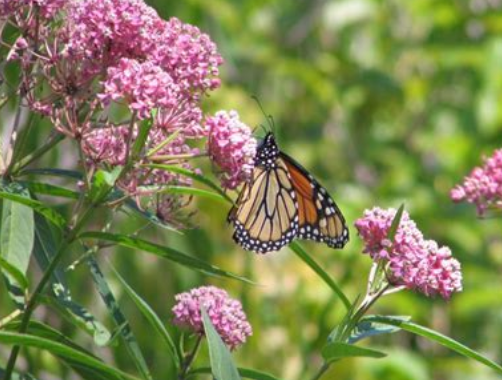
[173, 157]
[189, 359]
[33, 299]
[5, 320]
[365, 305]
[13, 137]
[28, 159]
[321, 371]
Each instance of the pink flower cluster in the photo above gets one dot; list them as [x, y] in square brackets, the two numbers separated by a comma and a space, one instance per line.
[99, 54]
[231, 146]
[143, 86]
[104, 31]
[483, 186]
[47, 8]
[412, 261]
[225, 313]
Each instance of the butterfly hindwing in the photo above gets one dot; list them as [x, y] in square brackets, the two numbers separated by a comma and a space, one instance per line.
[320, 219]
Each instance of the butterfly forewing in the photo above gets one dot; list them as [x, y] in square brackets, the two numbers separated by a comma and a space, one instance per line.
[266, 216]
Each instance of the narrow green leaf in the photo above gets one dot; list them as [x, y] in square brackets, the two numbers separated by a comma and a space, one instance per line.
[52, 190]
[16, 242]
[153, 319]
[139, 142]
[44, 250]
[18, 376]
[45, 247]
[222, 364]
[38, 207]
[14, 273]
[42, 330]
[66, 352]
[54, 173]
[438, 338]
[165, 142]
[245, 373]
[366, 328]
[196, 177]
[165, 252]
[150, 217]
[102, 183]
[339, 350]
[184, 190]
[395, 223]
[338, 332]
[118, 316]
[307, 259]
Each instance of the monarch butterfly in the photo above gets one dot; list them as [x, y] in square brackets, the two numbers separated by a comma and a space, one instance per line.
[281, 202]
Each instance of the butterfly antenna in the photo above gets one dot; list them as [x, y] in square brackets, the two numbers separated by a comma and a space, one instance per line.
[269, 117]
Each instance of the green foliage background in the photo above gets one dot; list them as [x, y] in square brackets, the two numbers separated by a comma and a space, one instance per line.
[384, 102]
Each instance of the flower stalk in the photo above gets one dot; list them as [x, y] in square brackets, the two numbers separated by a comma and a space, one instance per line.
[189, 359]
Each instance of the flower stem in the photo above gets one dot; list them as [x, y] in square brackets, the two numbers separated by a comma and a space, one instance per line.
[33, 300]
[177, 157]
[189, 359]
[321, 371]
[13, 137]
[9, 318]
[25, 161]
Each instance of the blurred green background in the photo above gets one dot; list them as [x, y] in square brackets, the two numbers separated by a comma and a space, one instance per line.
[384, 102]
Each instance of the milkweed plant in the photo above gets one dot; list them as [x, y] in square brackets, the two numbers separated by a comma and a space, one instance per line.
[125, 89]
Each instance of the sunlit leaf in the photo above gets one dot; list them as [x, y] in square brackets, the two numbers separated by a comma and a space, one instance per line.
[222, 365]
[16, 242]
[77, 357]
[437, 337]
[190, 174]
[162, 251]
[52, 190]
[153, 319]
[395, 223]
[185, 190]
[44, 250]
[102, 183]
[118, 316]
[37, 206]
[339, 350]
[366, 328]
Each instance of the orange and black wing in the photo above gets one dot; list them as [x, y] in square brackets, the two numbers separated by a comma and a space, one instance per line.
[265, 217]
[319, 218]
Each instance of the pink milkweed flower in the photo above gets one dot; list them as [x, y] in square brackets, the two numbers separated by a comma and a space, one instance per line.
[483, 186]
[412, 261]
[225, 313]
[143, 86]
[231, 147]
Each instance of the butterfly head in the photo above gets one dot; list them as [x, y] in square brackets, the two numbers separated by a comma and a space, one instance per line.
[267, 152]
